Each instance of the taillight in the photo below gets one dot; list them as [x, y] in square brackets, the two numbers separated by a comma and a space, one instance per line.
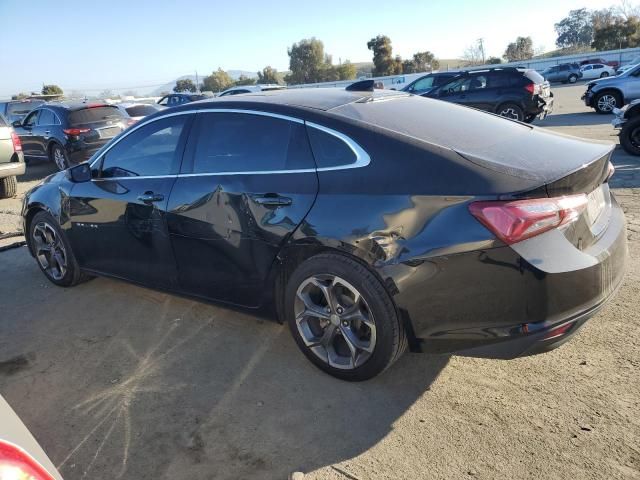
[514, 221]
[75, 131]
[531, 88]
[17, 144]
[15, 463]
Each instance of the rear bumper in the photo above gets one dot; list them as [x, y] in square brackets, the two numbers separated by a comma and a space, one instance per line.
[540, 106]
[494, 303]
[12, 169]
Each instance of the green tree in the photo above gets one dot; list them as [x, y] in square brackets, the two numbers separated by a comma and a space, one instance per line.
[269, 75]
[425, 61]
[619, 34]
[19, 96]
[346, 71]
[217, 81]
[494, 60]
[384, 63]
[185, 85]
[244, 80]
[51, 90]
[575, 30]
[307, 62]
[521, 49]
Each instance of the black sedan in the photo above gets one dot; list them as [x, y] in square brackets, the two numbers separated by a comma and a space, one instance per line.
[373, 222]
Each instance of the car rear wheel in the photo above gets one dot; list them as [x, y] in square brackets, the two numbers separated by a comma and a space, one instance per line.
[53, 252]
[605, 102]
[573, 78]
[630, 136]
[342, 318]
[604, 74]
[8, 187]
[512, 111]
[58, 156]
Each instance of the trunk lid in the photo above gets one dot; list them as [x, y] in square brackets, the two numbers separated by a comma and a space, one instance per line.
[103, 122]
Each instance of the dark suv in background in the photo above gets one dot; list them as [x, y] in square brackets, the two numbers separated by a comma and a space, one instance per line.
[429, 82]
[565, 73]
[14, 110]
[515, 93]
[69, 133]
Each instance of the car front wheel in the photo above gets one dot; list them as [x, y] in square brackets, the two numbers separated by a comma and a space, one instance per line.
[53, 252]
[604, 75]
[342, 318]
[605, 102]
[630, 136]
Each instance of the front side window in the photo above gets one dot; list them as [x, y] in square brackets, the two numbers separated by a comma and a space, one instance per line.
[31, 119]
[423, 84]
[151, 150]
[163, 101]
[239, 142]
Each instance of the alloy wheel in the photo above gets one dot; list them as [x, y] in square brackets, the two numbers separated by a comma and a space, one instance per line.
[49, 250]
[607, 103]
[58, 158]
[334, 321]
[509, 112]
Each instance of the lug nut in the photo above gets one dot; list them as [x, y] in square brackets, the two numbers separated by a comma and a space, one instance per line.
[345, 323]
[328, 309]
[340, 310]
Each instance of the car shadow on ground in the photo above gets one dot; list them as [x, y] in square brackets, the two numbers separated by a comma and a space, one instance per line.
[125, 382]
[627, 174]
[37, 170]
[575, 119]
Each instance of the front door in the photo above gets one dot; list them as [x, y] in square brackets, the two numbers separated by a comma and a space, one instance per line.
[118, 219]
[249, 180]
[28, 136]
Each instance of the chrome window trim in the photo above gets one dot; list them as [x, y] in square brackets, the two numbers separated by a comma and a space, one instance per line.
[362, 157]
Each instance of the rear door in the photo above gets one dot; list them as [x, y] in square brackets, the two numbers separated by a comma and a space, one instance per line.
[248, 181]
[118, 219]
[26, 134]
[42, 131]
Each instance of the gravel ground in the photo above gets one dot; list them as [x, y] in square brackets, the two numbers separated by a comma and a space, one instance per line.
[118, 381]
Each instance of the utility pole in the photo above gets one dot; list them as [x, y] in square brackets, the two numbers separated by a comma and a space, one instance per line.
[197, 83]
[481, 47]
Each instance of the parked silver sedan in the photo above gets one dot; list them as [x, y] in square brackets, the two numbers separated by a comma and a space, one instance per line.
[11, 159]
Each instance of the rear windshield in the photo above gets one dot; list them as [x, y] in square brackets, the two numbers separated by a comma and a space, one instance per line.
[22, 108]
[95, 114]
[534, 76]
[140, 110]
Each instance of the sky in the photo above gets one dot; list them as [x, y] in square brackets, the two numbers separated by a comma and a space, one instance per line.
[141, 44]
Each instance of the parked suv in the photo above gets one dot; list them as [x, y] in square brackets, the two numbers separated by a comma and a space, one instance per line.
[17, 109]
[605, 94]
[515, 93]
[565, 73]
[11, 159]
[429, 82]
[69, 133]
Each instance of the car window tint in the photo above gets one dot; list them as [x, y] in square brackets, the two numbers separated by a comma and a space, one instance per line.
[163, 101]
[46, 117]
[3, 123]
[478, 82]
[329, 150]
[31, 118]
[596, 67]
[236, 142]
[497, 80]
[95, 114]
[149, 150]
[459, 85]
[141, 110]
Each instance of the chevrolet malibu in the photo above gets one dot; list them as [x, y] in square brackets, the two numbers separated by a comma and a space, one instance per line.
[371, 222]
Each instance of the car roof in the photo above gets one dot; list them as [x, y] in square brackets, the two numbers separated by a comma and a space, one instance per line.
[74, 106]
[313, 98]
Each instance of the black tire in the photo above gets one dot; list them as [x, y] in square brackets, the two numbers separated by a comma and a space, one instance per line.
[604, 74]
[8, 187]
[58, 156]
[510, 111]
[572, 78]
[605, 102]
[389, 337]
[630, 136]
[529, 118]
[43, 221]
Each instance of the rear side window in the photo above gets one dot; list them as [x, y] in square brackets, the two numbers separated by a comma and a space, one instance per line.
[329, 150]
[534, 76]
[149, 150]
[238, 142]
[502, 80]
[95, 114]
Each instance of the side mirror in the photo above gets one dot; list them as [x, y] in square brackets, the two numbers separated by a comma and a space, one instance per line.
[80, 173]
[17, 123]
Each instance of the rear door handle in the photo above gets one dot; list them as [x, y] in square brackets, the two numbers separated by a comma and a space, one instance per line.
[271, 199]
[150, 197]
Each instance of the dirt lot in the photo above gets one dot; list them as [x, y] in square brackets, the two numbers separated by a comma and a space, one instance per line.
[118, 381]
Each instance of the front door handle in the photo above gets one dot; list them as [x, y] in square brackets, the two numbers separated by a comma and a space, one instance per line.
[272, 199]
[150, 197]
